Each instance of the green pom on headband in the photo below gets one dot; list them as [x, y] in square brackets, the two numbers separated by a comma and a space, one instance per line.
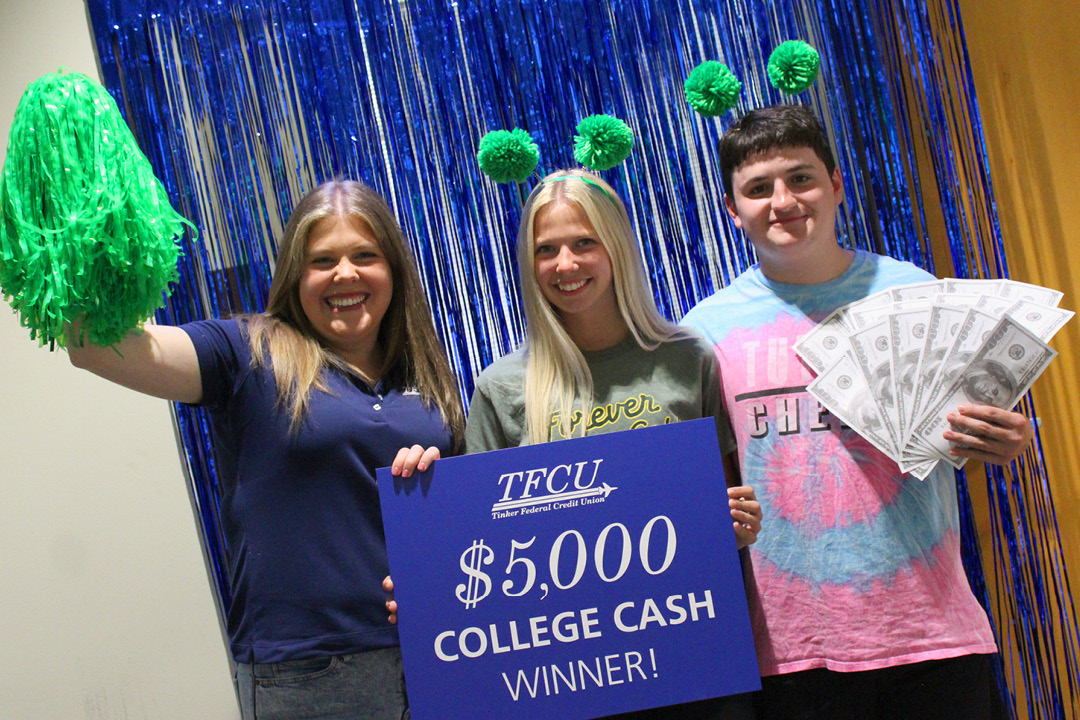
[508, 155]
[793, 66]
[602, 142]
[712, 89]
[85, 227]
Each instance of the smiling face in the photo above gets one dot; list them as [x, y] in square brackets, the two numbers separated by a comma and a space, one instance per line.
[785, 201]
[573, 268]
[345, 288]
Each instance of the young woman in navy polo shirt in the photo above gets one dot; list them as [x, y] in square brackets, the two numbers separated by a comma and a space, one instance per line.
[307, 399]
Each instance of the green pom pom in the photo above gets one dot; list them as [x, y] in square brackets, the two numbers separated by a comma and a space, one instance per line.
[793, 66]
[602, 142]
[712, 89]
[508, 155]
[86, 230]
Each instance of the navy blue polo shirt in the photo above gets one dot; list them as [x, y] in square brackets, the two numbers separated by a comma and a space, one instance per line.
[300, 511]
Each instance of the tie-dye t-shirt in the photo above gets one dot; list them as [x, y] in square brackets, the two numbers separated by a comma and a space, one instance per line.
[857, 566]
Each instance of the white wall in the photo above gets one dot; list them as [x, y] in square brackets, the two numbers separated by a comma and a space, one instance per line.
[105, 607]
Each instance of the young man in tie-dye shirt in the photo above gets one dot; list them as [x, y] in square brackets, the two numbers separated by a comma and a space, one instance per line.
[861, 606]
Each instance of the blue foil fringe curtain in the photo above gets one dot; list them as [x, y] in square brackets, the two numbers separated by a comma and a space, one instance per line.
[243, 106]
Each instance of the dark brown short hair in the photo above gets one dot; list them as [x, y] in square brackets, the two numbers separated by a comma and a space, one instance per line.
[771, 128]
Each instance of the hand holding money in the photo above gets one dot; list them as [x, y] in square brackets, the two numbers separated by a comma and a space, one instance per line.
[897, 365]
[988, 434]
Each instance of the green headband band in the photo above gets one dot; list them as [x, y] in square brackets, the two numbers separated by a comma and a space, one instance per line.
[590, 181]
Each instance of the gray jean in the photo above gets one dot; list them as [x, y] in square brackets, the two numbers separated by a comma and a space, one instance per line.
[364, 686]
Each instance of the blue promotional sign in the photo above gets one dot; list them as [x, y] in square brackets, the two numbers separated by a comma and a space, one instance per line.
[573, 579]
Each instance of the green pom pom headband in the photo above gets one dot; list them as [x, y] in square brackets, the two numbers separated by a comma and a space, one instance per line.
[601, 143]
[712, 88]
[587, 181]
[86, 229]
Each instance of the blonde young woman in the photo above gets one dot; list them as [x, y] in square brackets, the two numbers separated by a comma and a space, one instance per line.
[599, 356]
[307, 400]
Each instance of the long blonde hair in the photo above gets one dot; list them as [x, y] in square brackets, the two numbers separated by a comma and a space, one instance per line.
[556, 375]
[284, 338]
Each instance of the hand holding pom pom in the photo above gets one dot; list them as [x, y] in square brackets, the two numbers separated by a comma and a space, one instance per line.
[712, 89]
[602, 142]
[508, 155]
[86, 230]
[793, 66]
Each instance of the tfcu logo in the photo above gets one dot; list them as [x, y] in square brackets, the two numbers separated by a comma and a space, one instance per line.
[558, 488]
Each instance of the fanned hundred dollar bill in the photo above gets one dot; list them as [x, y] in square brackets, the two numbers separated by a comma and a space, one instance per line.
[893, 364]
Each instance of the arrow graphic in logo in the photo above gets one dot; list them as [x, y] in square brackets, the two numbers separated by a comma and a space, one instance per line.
[604, 490]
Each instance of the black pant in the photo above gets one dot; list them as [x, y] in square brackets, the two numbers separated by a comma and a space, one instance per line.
[959, 688]
[732, 707]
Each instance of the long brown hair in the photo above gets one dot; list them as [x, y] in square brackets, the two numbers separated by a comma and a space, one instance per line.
[284, 338]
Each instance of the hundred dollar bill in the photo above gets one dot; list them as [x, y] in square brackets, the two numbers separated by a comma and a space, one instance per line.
[1032, 293]
[998, 374]
[917, 291]
[975, 286]
[826, 343]
[996, 306]
[957, 300]
[926, 355]
[872, 350]
[1040, 319]
[1010, 289]
[843, 390]
[907, 334]
[882, 297]
[859, 317]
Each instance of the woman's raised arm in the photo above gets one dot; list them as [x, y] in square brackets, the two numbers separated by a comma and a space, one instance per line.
[158, 360]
